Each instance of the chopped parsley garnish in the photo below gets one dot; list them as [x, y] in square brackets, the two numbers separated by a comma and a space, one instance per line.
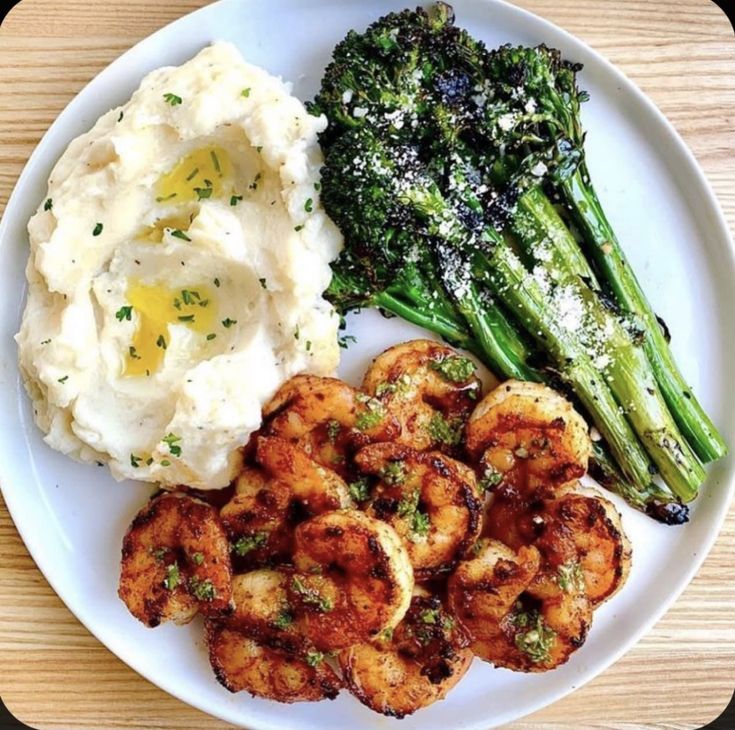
[124, 313]
[177, 233]
[283, 620]
[299, 227]
[203, 193]
[63, 380]
[211, 336]
[202, 590]
[189, 296]
[172, 99]
[161, 199]
[408, 508]
[45, 342]
[48, 204]
[97, 229]
[570, 576]
[254, 185]
[359, 489]
[310, 596]
[161, 342]
[235, 199]
[333, 429]
[245, 92]
[394, 473]
[445, 431]
[135, 461]
[313, 658]
[192, 174]
[227, 323]
[309, 205]
[317, 186]
[120, 118]
[173, 577]
[308, 345]
[345, 340]
[217, 282]
[430, 616]
[158, 553]
[248, 543]
[372, 415]
[172, 441]
[296, 333]
[454, 368]
[263, 283]
[386, 634]
[536, 643]
[186, 318]
[198, 558]
[165, 462]
[490, 479]
[215, 161]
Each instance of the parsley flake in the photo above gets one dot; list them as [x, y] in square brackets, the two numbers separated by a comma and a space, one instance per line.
[124, 313]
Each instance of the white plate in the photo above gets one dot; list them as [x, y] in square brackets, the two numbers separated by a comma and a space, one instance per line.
[72, 517]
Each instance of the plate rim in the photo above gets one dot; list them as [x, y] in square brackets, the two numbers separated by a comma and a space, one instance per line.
[11, 493]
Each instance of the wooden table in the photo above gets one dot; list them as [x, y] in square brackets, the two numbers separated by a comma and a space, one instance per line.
[54, 674]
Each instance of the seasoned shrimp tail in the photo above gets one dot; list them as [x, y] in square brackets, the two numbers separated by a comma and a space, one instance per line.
[528, 435]
[411, 667]
[353, 579]
[175, 562]
[430, 500]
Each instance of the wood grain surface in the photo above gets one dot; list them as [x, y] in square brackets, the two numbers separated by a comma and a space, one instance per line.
[54, 674]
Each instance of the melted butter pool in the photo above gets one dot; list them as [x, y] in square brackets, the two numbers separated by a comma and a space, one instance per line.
[202, 174]
[156, 308]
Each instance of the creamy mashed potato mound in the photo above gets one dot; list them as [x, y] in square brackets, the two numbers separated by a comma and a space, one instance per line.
[176, 273]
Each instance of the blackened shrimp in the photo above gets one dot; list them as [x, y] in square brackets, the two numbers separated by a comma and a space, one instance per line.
[175, 562]
[529, 435]
[412, 666]
[517, 614]
[353, 579]
[257, 648]
[328, 419]
[430, 500]
[429, 388]
[579, 534]
[269, 502]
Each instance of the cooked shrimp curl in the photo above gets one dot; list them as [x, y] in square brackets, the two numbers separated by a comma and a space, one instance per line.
[257, 648]
[411, 667]
[579, 534]
[430, 499]
[270, 501]
[175, 562]
[328, 418]
[517, 614]
[353, 579]
[429, 388]
[529, 435]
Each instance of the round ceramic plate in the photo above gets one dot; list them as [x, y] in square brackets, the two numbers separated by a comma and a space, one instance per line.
[73, 517]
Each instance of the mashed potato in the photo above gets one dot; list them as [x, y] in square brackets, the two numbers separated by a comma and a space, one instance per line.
[176, 273]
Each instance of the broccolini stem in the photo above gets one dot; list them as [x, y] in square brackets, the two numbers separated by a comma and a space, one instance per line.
[452, 332]
[510, 280]
[621, 363]
[602, 246]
